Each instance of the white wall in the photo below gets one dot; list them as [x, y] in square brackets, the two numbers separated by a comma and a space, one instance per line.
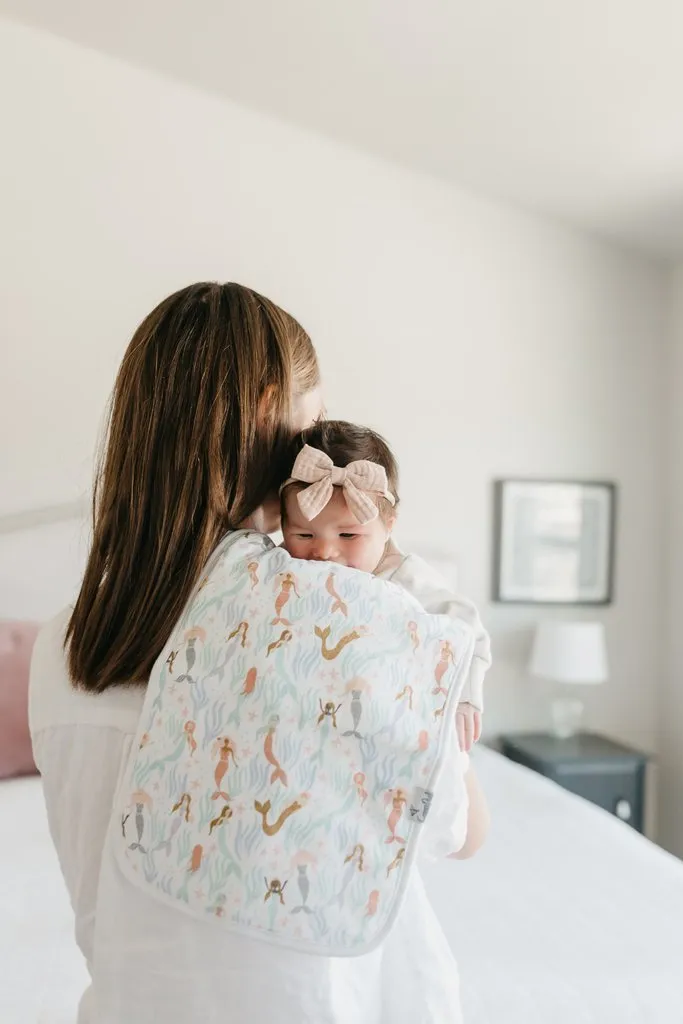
[482, 341]
[671, 750]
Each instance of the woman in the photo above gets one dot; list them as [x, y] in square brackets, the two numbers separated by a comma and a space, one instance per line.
[213, 385]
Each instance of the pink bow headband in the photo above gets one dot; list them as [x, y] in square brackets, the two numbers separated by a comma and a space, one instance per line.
[358, 481]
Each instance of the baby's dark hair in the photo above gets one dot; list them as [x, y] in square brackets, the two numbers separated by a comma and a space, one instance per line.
[347, 442]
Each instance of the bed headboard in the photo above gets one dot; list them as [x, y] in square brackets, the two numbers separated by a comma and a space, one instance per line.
[43, 553]
[42, 557]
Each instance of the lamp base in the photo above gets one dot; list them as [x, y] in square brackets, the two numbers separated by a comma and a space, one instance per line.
[567, 713]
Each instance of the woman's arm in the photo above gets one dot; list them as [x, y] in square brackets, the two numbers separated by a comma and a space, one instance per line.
[437, 597]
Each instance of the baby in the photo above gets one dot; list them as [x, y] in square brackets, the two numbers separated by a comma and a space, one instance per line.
[340, 505]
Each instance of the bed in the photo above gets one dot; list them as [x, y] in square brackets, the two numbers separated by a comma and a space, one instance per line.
[42, 970]
[567, 916]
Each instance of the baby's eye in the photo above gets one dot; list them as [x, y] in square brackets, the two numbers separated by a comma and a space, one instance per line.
[348, 536]
[304, 536]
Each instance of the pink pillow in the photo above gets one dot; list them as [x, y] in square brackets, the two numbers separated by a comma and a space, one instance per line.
[16, 644]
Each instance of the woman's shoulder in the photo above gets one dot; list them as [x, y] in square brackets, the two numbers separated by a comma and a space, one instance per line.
[50, 638]
[55, 701]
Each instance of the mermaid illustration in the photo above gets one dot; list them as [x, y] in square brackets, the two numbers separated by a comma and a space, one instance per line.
[224, 750]
[304, 886]
[165, 844]
[359, 781]
[225, 815]
[183, 805]
[302, 861]
[373, 903]
[272, 828]
[278, 775]
[218, 908]
[447, 658]
[141, 800]
[398, 802]
[288, 584]
[397, 861]
[170, 661]
[407, 691]
[330, 653]
[189, 730]
[240, 630]
[140, 828]
[284, 638]
[249, 682]
[190, 638]
[355, 864]
[356, 688]
[337, 604]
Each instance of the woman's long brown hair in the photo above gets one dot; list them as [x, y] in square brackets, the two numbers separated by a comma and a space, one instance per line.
[199, 424]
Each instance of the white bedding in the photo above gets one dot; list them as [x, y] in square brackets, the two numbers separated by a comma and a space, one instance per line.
[42, 972]
[566, 917]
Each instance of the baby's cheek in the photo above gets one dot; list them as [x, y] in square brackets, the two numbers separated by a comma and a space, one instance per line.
[366, 557]
[293, 546]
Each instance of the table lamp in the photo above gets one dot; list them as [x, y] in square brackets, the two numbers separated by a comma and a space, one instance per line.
[572, 654]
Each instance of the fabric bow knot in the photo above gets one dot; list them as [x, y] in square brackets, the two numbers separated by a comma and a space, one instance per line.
[358, 481]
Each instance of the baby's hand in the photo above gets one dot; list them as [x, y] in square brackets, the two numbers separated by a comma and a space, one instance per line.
[468, 726]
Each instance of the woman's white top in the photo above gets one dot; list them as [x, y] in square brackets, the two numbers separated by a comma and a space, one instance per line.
[150, 963]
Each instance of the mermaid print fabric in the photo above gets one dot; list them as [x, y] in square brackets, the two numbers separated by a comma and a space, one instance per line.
[288, 749]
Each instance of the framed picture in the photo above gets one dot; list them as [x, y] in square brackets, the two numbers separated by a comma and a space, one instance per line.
[554, 542]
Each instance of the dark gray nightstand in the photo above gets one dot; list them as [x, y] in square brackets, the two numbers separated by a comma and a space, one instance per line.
[604, 772]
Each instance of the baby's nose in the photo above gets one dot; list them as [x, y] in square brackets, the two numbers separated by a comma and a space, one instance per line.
[325, 551]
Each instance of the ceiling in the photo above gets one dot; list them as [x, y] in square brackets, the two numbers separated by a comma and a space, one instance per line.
[570, 107]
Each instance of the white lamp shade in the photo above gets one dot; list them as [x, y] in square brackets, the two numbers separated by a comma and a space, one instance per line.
[570, 652]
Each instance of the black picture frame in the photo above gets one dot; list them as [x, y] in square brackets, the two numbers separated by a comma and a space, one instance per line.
[559, 547]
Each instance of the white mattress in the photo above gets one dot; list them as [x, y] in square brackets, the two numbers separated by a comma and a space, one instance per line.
[42, 972]
[566, 917]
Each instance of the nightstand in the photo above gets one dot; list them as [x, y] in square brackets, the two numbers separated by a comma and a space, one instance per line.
[604, 772]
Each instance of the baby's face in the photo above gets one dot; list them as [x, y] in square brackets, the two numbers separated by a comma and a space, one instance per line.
[333, 536]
